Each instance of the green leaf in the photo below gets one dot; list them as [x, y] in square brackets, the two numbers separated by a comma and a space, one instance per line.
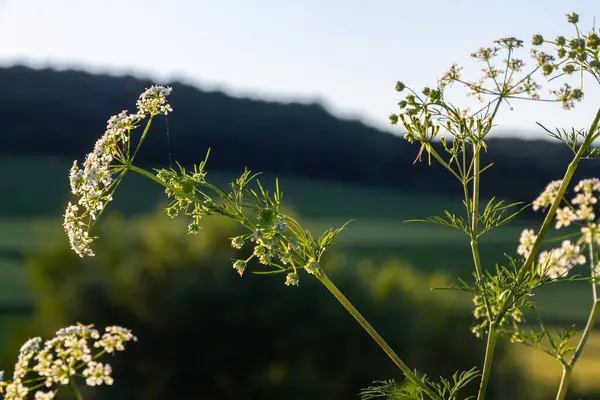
[450, 220]
[493, 214]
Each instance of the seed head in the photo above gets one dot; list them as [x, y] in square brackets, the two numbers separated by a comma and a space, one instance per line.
[537, 40]
[573, 18]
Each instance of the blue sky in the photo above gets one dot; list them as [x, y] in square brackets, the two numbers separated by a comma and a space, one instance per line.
[346, 54]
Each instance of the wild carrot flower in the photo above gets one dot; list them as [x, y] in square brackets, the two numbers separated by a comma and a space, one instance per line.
[558, 262]
[591, 233]
[15, 391]
[58, 360]
[94, 181]
[154, 101]
[115, 338]
[97, 373]
[548, 195]
[40, 395]
[526, 242]
[564, 217]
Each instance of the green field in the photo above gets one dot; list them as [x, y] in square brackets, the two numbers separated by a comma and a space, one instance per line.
[33, 200]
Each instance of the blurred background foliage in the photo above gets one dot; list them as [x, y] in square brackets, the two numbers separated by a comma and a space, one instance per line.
[206, 333]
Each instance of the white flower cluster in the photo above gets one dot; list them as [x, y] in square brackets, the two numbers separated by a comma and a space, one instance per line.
[153, 101]
[580, 209]
[558, 262]
[92, 182]
[526, 242]
[548, 195]
[60, 358]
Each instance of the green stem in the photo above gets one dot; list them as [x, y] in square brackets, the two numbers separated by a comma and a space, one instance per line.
[146, 129]
[410, 375]
[489, 358]
[238, 216]
[561, 192]
[491, 339]
[550, 215]
[443, 162]
[74, 389]
[566, 377]
[593, 312]
[475, 212]
[564, 382]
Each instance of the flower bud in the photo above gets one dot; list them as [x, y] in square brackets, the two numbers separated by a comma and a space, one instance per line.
[237, 242]
[435, 96]
[592, 40]
[172, 211]
[193, 228]
[569, 69]
[292, 279]
[573, 18]
[400, 86]
[267, 216]
[537, 40]
[240, 266]
[312, 267]
[576, 94]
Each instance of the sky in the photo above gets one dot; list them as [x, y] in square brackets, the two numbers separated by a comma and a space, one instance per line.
[347, 55]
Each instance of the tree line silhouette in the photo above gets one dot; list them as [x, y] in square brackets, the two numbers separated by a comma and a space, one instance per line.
[62, 113]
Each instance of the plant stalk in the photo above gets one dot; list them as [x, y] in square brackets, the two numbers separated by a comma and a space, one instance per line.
[475, 212]
[492, 334]
[144, 133]
[567, 369]
[566, 377]
[561, 192]
[339, 296]
[564, 382]
[74, 389]
[410, 375]
[551, 213]
[489, 358]
[238, 217]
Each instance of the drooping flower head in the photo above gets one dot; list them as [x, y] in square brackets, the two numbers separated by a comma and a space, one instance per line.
[96, 179]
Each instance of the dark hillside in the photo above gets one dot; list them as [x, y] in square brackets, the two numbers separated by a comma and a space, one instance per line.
[62, 113]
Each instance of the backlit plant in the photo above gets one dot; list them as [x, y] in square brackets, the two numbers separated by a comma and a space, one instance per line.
[283, 246]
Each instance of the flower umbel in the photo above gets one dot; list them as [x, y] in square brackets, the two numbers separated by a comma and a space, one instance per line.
[60, 360]
[96, 180]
